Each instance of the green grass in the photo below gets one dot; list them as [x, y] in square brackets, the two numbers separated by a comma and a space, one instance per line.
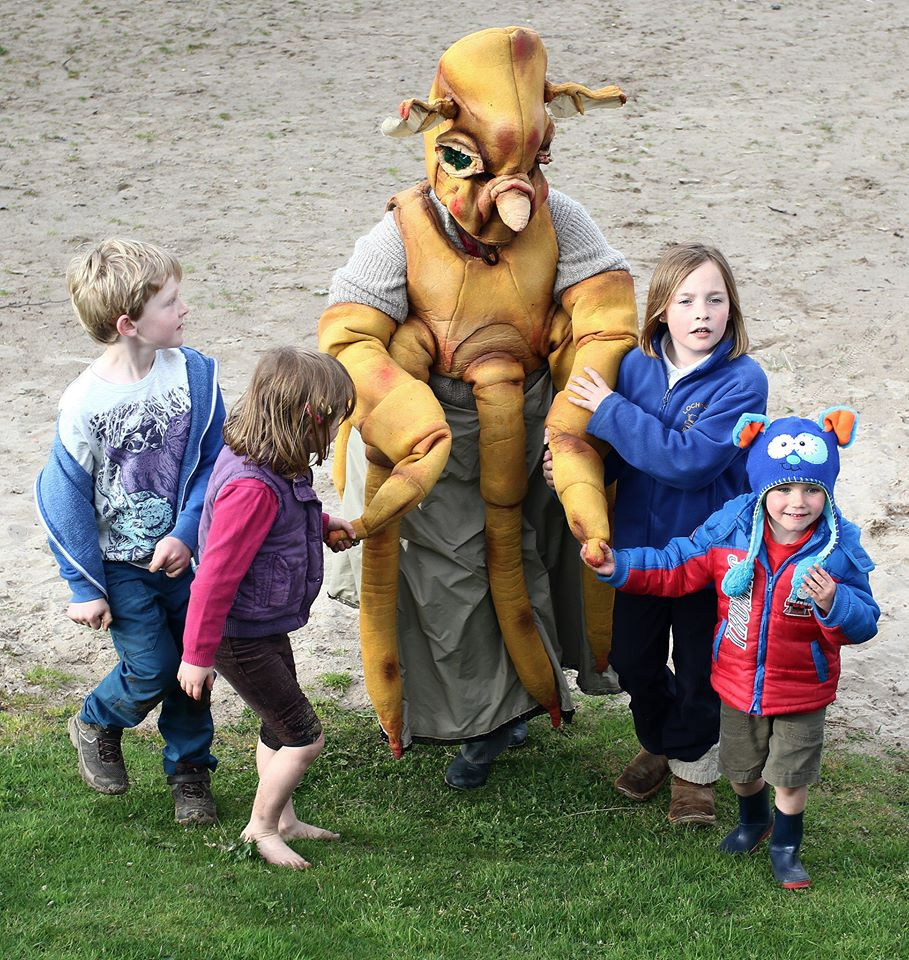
[339, 682]
[49, 677]
[545, 862]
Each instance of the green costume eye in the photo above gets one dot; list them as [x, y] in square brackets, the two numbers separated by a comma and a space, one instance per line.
[457, 159]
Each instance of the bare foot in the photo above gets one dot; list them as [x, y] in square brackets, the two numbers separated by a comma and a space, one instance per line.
[294, 829]
[272, 849]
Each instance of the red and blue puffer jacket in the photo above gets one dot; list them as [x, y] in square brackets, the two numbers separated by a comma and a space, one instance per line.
[771, 655]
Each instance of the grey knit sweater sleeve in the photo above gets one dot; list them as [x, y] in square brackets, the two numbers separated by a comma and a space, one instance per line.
[583, 250]
[376, 274]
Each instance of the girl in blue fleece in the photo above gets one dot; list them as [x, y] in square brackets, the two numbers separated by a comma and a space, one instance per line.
[668, 422]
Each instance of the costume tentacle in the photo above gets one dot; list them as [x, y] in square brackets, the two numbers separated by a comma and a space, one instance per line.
[339, 464]
[498, 383]
[378, 619]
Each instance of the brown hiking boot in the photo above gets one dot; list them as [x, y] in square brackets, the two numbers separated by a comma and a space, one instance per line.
[191, 789]
[100, 757]
[692, 803]
[644, 776]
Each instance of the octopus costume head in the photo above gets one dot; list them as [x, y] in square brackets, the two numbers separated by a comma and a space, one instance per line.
[487, 129]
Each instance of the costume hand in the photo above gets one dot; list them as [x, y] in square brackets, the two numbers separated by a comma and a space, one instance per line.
[590, 393]
[607, 567]
[340, 535]
[171, 555]
[193, 680]
[91, 613]
[821, 587]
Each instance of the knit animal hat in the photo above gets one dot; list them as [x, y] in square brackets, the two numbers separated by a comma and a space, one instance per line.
[790, 450]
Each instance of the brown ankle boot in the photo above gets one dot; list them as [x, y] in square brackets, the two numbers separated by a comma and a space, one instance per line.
[644, 776]
[692, 803]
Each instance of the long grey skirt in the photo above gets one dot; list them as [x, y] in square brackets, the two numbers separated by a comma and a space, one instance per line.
[459, 682]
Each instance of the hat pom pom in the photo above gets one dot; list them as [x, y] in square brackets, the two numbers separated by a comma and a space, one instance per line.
[738, 579]
[798, 575]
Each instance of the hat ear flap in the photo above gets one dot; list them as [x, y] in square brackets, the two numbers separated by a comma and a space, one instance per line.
[748, 427]
[842, 421]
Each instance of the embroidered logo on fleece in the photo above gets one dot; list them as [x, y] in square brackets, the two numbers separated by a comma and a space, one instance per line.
[692, 412]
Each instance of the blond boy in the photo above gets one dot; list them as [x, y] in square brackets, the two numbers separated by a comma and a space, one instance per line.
[121, 497]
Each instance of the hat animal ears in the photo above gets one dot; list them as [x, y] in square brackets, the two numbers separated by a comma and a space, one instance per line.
[842, 421]
[748, 427]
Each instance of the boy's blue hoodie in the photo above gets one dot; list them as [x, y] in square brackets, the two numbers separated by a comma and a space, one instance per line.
[670, 446]
[64, 491]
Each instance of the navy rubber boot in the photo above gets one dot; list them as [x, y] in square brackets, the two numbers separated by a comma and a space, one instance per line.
[784, 851]
[754, 826]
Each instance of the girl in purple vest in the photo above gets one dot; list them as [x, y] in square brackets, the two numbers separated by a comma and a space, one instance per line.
[260, 548]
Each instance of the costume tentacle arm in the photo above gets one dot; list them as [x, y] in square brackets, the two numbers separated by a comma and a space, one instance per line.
[397, 414]
[604, 329]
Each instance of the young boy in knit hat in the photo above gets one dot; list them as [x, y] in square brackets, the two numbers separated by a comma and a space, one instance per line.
[792, 582]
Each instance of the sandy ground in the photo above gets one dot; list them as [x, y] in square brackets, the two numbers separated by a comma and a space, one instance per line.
[244, 137]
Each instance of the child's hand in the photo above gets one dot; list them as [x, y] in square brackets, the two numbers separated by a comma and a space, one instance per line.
[91, 613]
[193, 680]
[340, 535]
[589, 393]
[547, 469]
[547, 460]
[821, 587]
[171, 555]
[607, 567]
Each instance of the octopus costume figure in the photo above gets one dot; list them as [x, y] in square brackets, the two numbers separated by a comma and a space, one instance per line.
[461, 317]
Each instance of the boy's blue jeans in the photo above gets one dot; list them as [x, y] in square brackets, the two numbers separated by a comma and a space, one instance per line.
[149, 611]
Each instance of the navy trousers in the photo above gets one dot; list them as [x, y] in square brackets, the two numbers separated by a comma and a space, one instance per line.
[675, 711]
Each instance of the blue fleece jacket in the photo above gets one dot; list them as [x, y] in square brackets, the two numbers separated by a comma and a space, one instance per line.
[64, 491]
[671, 453]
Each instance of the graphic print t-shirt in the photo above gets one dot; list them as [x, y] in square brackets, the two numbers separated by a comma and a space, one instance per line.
[132, 438]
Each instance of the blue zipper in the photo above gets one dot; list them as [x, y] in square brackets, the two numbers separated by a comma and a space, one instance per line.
[757, 692]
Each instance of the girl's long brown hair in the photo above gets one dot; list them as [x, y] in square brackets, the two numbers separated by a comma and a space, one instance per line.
[671, 269]
[285, 417]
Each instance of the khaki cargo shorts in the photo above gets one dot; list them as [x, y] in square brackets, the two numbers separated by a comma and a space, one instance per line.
[785, 749]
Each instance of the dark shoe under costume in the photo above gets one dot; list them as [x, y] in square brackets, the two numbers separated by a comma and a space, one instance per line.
[754, 826]
[191, 789]
[692, 804]
[100, 757]
[784, 851]
[518, 735]
[464, 775]
[643, 776]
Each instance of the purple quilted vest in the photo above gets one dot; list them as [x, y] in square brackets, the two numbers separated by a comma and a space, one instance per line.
[286, 574]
